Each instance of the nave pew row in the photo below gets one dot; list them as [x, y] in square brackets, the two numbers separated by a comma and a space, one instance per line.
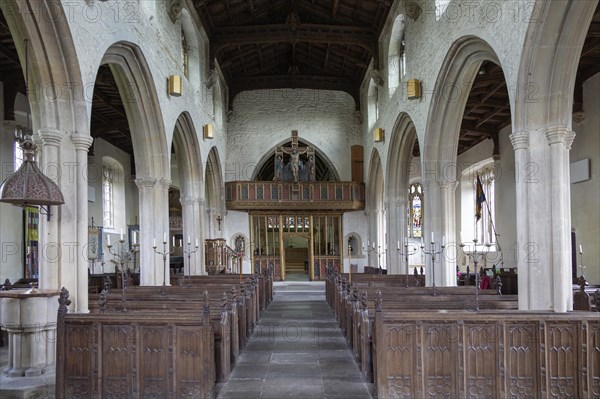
[501, 354]
[223, 315]
[357, 314]
[334, 280]
[265, 282]
[134, 354]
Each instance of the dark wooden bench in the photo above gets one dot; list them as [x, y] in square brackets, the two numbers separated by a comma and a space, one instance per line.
[134, 354]
[500, 354]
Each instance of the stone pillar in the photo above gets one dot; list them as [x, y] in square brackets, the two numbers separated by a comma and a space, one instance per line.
[202, 235]
[560, 141]
[148, 232]
[447, 259]
[161, 215]
[396, 227]
[82, 144]
[430, 211]
[49, 234]
[191, 229]
[520, 142]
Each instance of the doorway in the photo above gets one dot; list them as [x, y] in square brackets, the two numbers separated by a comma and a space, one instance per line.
[296, 258]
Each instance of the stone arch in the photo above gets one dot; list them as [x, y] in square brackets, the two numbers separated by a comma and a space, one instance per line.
[542, 137]
[400, 153]
[376, 209]
[189, 162]
[58, 111]
[214, 193]
[439, 151]
[270, 154]
[144, 116]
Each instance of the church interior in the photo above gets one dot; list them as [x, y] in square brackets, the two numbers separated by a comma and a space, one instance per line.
[231, 199]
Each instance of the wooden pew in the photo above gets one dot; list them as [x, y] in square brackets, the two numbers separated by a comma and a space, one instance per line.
[223, 315]
[130, 355]
[499, 354]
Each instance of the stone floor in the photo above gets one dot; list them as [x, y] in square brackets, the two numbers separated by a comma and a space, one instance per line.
[296, 351]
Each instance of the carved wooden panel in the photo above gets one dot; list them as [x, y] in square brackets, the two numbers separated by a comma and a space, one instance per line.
[561, 360]
[118, 343]
[481, 360]
[78, 373]
[154, 350]
[191, 369]
[593, 363]
[440, 360]
[522, 348]
[401, 358]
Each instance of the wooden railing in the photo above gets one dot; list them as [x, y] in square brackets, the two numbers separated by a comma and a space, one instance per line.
[279, 195]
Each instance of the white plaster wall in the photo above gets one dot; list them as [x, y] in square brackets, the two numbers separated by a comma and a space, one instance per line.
[263, 119]
[11, 217]
[356, 223]
[237, 223]
[130, 207]
[585, 196]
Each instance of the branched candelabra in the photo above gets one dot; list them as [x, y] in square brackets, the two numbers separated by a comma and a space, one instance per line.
[406, 254]
[164, 254]
[377, 251]
[123, 254]
[476, 256]
[433, 252]
[189, 253]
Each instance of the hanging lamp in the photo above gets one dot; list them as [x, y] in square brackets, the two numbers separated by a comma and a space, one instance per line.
[28, 186]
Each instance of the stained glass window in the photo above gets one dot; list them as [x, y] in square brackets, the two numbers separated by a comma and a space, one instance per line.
[415, 211]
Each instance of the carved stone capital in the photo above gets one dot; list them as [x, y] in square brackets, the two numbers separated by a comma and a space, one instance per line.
[447, 184]
[578, 117]
[166, 183]
[145, 182]
[82, 142]
[52, 137]
[558, 136]
[188, 200]
[569, 139]
[519, 140]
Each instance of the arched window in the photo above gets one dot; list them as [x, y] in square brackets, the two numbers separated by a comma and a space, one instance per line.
[113, 194]
[18, 155]
[108, 199]
[415, 211]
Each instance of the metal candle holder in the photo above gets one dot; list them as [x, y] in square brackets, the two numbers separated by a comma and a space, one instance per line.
[189, 253]
[475, 257]
[164, 254]
[377, 251]
[433, 254]
[406, 254]
[123, 254]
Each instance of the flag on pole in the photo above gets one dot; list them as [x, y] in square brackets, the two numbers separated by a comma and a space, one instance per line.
[479, 199]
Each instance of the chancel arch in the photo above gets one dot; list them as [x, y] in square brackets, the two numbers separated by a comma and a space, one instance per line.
[325, 170]
[401, 166]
